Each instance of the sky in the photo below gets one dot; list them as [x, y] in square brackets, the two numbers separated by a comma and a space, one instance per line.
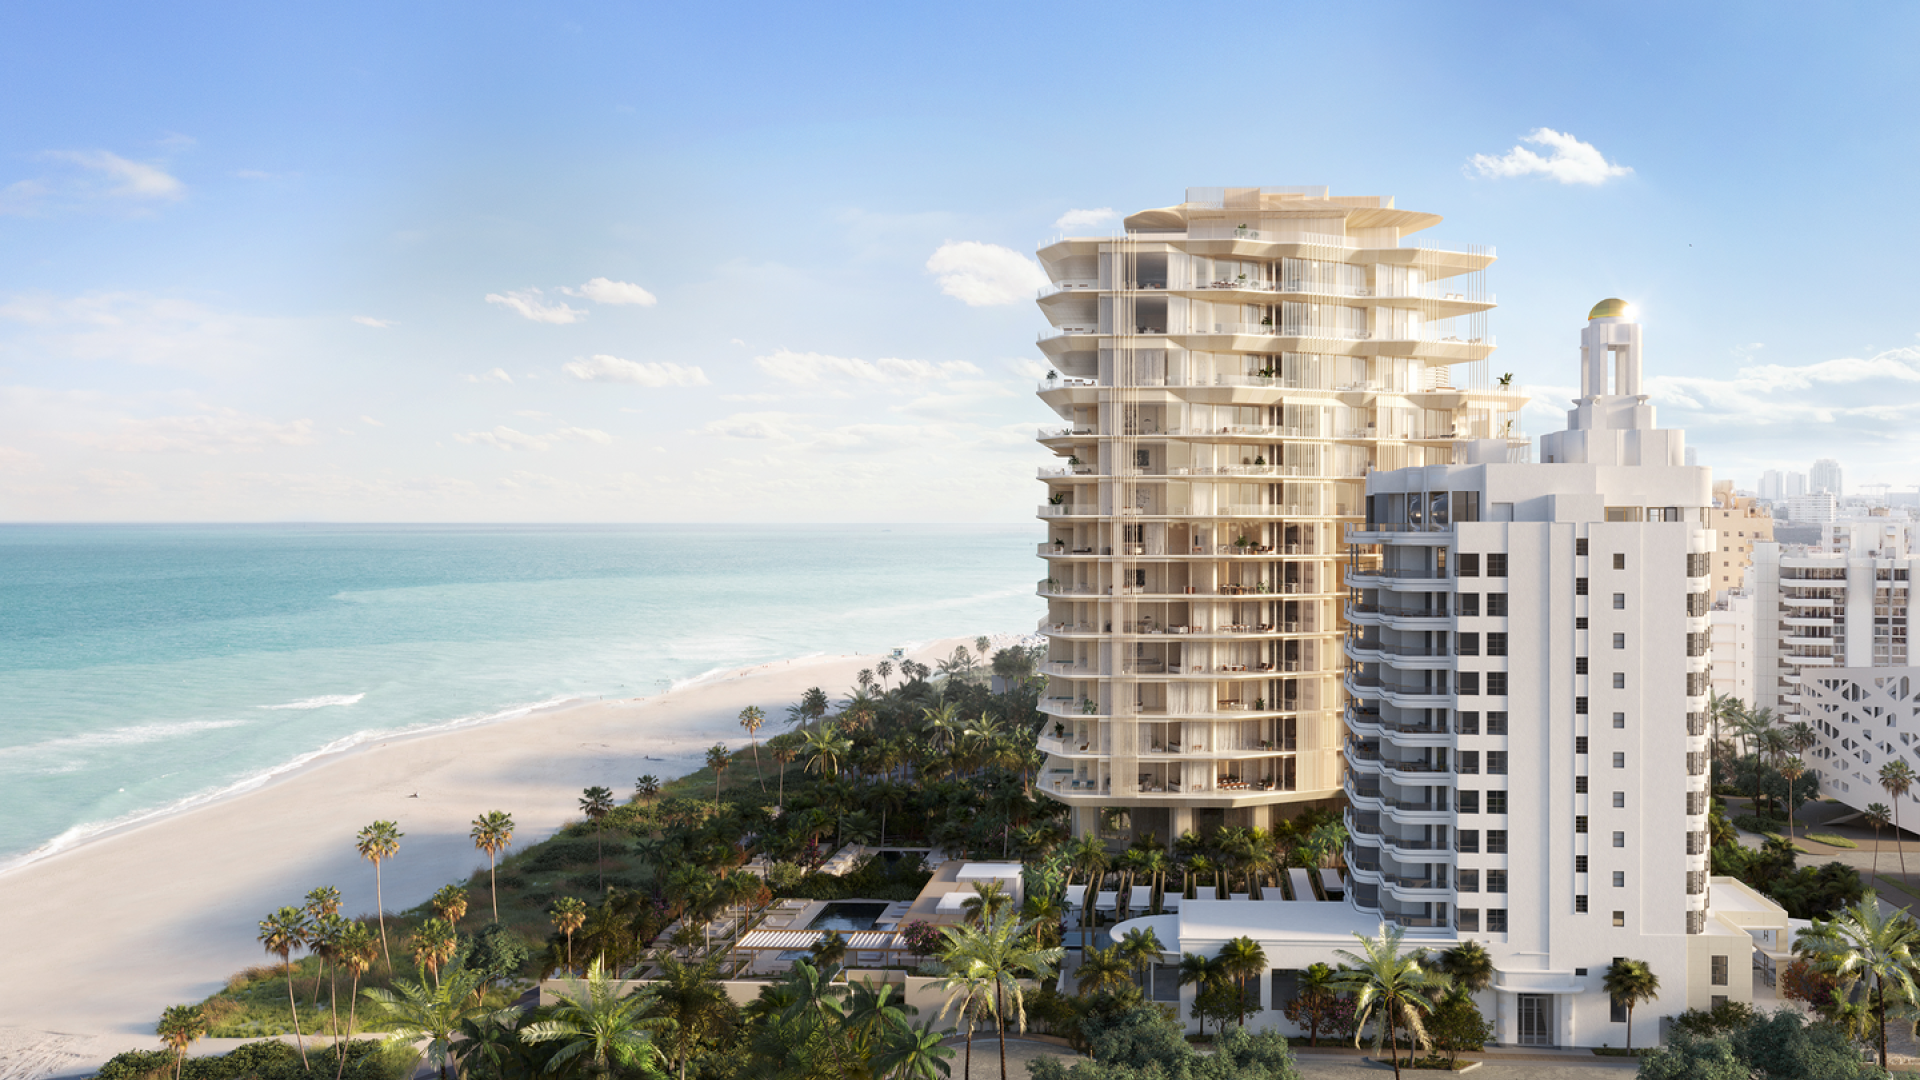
[746, 262]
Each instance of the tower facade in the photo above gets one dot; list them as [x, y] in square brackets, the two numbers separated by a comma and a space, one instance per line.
[1227, 372]
[1529, 680]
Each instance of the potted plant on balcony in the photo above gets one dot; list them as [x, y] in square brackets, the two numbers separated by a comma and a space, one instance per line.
[1260, 460]
[1073, 461]
[1268, 321]
[1059, 545]
[1052, 375]
[1087, 707]
[1506, 381]
[1056, 499]
[1259, 704]
[1241, 542]
[1059, 731]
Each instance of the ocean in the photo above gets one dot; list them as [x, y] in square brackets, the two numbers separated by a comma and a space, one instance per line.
[145, 669]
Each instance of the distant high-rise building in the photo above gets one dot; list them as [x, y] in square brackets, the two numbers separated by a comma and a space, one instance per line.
[1814, 509]
[1739, 524]
[1825, 476]
[1796, 484]
[1772, 486]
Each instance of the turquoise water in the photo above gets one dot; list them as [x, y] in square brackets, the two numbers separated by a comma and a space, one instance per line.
[146, 668]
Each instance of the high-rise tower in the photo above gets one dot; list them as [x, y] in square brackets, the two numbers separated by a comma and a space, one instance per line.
[1227, 372]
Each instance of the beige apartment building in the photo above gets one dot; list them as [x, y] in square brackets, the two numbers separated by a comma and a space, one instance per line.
[1740, 525]
[1227, 372]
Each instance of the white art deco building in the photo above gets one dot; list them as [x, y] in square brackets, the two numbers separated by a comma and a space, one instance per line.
[1527, 764]
[1226, 373]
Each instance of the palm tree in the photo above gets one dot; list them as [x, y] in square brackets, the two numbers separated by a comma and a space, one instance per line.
[782, 748]
[180, 1027]
[1045, 913]
[1002, 952]
[282, 932]
[826, 747]
[1862, 945]
[434, 1015]
[377, 843]
[1243, 960]
[323, 906]
[1878, 816]
[965, 986]
[1793, 769]
[569, 913]
[492, 832]
[1896, 779]
[324, 942]
[694, 1005]
[875, 1011]
[1103, 970]
[597, 802]
[989, 899]
[1203, 973]
[1631, 982]
[752, 719]
[1153, 863]
[1088, 855]
[718, 759]
[450, 903]
[1468, 965]
[885, 668]
[1318, 984]
[355, 952]
[1141, 949]
[913, 1053]
[597, 1026]
[1392, 984]
[433, 943]
[646, 788]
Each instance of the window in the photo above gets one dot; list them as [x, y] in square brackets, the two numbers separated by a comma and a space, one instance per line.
[1580, 823]
[1580, 709]
[1496, 802]
[1579, 665]
[1619, 879]
[1497, 684]
[1469, 603]
[1497, 643]
[1497, 604]
[1580, 622]
[1466, 644]
[1579, 586]
[1619, 918]
[1619, 680]
[1720, 971]
[1469, 802]
[1496, 881]
[1619, 800]
[1497, 920]
[1619, 759]
[1467, 723]
[1619, 839]
[1619, 1010]
[1496, 763]
[1468, 684]
[1579, 744]
[1579, 864]
[1619, 641]
[1580, 546]
[1466, 762]
[1579, 785]
[1467, 564]
[1580, 903]
[1619, 601]
[1467, 919]
[1496, 723]
[1466, 881]
[1467, 840]
[1496, 841]
[1285, 986]
[1497, 565]
[1716, 1001]
[1619, 562]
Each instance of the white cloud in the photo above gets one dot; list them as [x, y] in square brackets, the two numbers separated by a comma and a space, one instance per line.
[612, 369]
[1572, 161]
[17, 460]
[371, 422]
[807, 368]
[214, 431]
[506, 438]
[132, 179]
[763, 425]
[368, 320]
[985, 275]
[529, 304]
[1083, 219]
[496, 375]
[736, 341]
[137, 328]
[603, 291]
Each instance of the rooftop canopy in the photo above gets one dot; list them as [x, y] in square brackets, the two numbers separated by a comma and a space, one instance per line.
[1610, 309]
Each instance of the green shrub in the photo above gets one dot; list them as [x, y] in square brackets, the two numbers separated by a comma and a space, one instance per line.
[1832, 840]
[559, 854]
[1754, 823]
[496, 952]
[367, 1059]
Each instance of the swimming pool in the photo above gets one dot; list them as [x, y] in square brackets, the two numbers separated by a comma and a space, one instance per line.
[847, 916]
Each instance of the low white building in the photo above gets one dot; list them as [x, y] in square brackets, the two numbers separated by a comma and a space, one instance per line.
[1528, 682]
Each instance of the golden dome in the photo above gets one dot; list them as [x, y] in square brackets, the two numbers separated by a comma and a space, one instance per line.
[1610, 308]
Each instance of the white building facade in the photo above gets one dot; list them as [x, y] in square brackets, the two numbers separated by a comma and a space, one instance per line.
[1528, 683]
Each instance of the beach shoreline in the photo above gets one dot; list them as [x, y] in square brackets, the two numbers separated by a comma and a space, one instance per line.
[104, 934]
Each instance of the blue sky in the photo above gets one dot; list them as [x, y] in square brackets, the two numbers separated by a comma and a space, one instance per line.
[678, 263]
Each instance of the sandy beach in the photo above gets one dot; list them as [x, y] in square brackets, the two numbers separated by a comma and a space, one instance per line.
[99, 939]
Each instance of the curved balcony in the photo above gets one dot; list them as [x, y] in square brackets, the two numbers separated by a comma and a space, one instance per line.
[1413, 773]
[1423, 849]
[1363, 721]
[1363, 796]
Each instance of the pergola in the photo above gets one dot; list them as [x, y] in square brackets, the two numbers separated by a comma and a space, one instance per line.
[890, 944]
